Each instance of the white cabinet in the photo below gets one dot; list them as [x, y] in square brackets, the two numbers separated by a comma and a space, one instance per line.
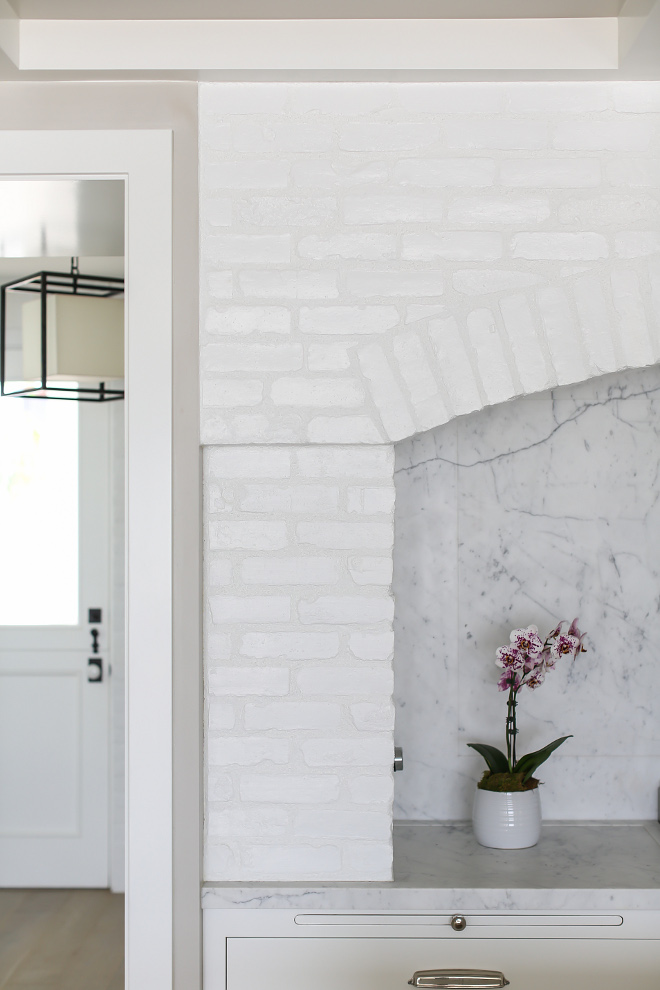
[377, 952]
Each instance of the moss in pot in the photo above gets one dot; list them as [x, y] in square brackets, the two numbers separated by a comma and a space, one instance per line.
[507, 807]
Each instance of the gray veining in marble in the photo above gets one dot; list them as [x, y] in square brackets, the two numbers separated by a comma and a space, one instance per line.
[542, 508]
[583, 867]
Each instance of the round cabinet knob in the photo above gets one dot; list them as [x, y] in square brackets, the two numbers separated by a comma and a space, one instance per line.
[458, 923]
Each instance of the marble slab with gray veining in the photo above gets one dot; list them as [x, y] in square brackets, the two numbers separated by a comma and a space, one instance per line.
[441, 867]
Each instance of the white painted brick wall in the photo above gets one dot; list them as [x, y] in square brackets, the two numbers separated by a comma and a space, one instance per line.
[375, 260]
[296, 705]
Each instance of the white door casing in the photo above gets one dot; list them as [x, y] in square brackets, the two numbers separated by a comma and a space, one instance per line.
[54, 714]
[144, 158]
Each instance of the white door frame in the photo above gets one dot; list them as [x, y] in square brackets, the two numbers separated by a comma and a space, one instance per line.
[144, 159]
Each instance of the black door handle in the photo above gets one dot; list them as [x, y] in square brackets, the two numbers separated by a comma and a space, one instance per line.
[94, 670]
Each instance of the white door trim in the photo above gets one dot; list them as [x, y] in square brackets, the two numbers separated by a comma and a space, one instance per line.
[144, 158]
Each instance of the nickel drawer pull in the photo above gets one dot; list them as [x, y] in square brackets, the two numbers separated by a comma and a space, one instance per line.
[458, 979]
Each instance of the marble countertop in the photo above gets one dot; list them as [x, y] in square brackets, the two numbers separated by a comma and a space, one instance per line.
[441, 867]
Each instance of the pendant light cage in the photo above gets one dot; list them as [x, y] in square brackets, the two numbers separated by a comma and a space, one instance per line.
[47, 284]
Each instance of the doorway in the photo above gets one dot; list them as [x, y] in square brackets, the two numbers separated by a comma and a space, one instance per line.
[143, 159]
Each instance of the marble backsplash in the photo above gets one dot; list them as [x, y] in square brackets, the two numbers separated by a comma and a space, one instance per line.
[543, 508]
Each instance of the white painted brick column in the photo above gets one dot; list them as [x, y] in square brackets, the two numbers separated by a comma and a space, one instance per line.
[299, 747]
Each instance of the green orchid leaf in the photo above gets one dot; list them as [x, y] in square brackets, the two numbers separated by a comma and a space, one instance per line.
[495, 758]
[532, 761]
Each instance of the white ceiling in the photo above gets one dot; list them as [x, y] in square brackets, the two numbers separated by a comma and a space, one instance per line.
[248, 9]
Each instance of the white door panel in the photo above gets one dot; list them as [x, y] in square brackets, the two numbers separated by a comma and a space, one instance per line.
[53, 718]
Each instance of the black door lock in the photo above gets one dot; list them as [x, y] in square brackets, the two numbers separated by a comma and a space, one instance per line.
[94, 670]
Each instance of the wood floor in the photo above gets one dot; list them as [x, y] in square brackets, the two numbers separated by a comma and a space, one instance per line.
[61, 940]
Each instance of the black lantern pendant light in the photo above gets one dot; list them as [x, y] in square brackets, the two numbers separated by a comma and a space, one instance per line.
[72, 331]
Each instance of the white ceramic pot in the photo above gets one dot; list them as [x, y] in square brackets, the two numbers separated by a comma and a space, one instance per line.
[507, 820]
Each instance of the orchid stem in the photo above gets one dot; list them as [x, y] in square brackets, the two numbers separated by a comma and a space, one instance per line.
[511, 729]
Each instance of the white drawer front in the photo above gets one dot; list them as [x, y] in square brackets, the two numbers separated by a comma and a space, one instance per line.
[388, 964]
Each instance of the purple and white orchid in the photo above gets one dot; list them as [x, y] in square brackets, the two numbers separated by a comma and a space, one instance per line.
[525, 661]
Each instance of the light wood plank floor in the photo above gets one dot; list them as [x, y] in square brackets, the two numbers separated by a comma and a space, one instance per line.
[61, 940]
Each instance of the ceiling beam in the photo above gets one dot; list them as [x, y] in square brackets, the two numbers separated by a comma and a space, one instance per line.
[589, 43]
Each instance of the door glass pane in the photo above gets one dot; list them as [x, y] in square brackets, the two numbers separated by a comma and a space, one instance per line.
[38, 512]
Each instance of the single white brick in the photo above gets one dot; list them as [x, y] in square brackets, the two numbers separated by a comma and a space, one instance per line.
[605, 210]
[634, 172]
[290, 570]
[240, 681]
[328, 357]
[371, 790]
[325, 174]
[347, 609]
[238, 535]
[595, 323]
[343, 429]
[217, 138]
[281, 789]
[454, 365]
[492, 363]
[446, 97]
[368, 716]
[346, 535]
[248, 319]
[387, 395]
[217, 646]
[368, 860]
[346, 462]
[343, 824]
[247, 175]
[219, 498]
[368, 501]
[293, 715]
[497, 133]
[287, 211]
[220, 572]
[222, 715]
[371, 570]
[552, 173]
[621, 134]
[478, 211]
[392, 209]
[633, 329]
[219, 861]
[246, 462]
[388, 136]
[559, 246]
[441, 173]
[534, 375]
[238, 822]
[310, 136]
[558, 97]
[363, 247]
[340, 98]
[636, 243]
[636, 97]
[452, 246]
[289, 284]
[250, 608]
[294, 498]
[252, 357]
[242, 97]
[291, 861]
[376, 751]
[398, 283]
[219, 786]
[247, 248]
[562, 335]
[223, 751]
[319, 392]
[218, 212]
[340, 681]
[348, 319]
[292, 646]
[372, 645]
[230, 394]
[475, 282]
[414, 364]
[220, 285]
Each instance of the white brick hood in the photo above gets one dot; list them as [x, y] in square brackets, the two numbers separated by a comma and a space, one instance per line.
[377, 259]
